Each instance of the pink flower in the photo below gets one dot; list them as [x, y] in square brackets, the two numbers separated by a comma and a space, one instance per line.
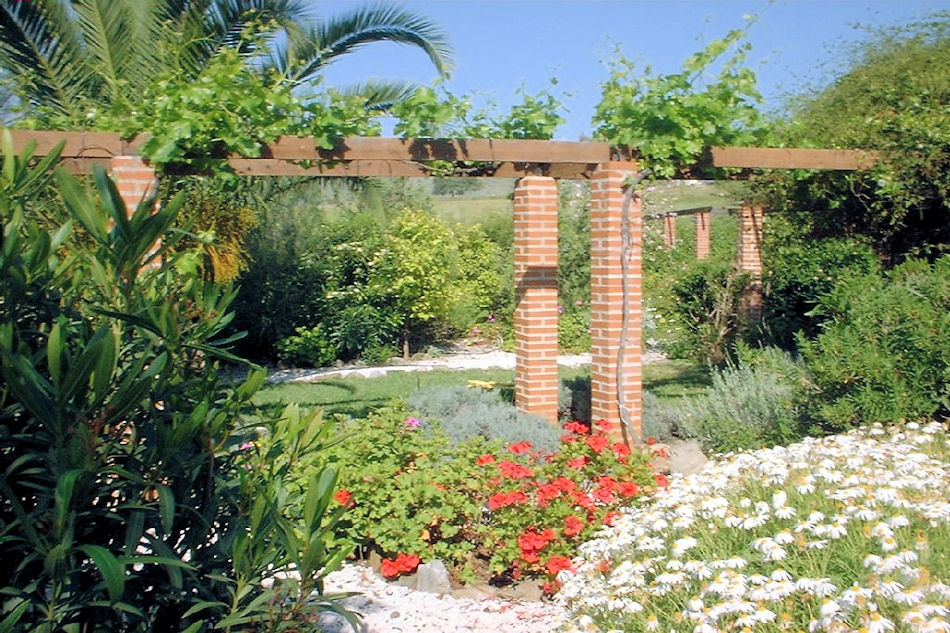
[413, 423]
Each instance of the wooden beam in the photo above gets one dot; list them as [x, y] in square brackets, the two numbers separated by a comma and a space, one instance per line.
[403, 169]
[77, 144]
[107, 144]
[793, 158]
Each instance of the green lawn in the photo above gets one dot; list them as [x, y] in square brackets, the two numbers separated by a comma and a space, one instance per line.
[356, 395]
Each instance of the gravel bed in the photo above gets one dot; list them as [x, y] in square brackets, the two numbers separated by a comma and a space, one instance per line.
[390, 608]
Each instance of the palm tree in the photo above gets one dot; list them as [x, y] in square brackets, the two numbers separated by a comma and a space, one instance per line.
[64, 57]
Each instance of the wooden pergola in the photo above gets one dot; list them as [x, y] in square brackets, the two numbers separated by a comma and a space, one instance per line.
[616, 232]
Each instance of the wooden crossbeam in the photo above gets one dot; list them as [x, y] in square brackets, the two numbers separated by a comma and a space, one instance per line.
[793, 158]
[107, 144]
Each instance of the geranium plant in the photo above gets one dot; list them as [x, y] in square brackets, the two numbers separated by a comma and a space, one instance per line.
[508, 511]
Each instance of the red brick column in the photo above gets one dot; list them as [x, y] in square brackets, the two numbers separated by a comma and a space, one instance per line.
[750, 258]
[669, 230]
[607, 301]
[702, 234]
[134, 178]
[536, 381]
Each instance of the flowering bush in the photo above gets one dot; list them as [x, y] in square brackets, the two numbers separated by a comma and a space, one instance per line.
[508, 511]
[839, 534]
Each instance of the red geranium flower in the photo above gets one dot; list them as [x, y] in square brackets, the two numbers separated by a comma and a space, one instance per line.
[520, 447]
[604, 495]
[514, 471]
[572, 525]
[531, 542]
[402, 564]
[661, 480]
[597, 442]
[559, 563]
[344, 497]
[577, 427]
[550, 588]
[603, 425]
[485, 459]
[610, 517]
[547, 493]
[628, 489]
[577, 462]
[620, 449]
[504, 499]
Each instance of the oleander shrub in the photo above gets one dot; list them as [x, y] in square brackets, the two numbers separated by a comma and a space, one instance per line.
[126, 500]
[748, 405]
[467, 412]
[706, 305]
[883, 354]
[798, 270]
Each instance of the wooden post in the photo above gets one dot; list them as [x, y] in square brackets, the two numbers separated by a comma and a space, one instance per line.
[536, 314]
[608, 306]
[702, 234]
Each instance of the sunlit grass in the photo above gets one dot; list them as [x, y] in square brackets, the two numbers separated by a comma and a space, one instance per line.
[356, 395]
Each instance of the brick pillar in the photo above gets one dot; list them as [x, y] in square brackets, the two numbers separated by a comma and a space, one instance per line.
[750, 258]
[134, 178]
[607, 301]
[669, 230]
[536, 381]
[702, 234]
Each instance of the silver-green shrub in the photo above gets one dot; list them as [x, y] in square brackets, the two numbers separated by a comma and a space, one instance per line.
[466, 412]
[751, 404]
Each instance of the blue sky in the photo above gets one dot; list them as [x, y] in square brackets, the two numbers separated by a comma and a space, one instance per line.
[501, 45]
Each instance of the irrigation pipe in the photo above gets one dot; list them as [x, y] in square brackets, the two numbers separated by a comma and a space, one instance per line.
[630, 187]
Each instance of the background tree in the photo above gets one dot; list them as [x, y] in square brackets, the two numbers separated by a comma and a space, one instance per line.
[892, 98]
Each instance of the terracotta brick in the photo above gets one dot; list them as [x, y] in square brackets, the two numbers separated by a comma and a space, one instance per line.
[702, 234]
[536, 300]
[607, 301]
[669, 230]
[751, 218]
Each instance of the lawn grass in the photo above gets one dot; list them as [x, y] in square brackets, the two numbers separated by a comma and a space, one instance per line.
[356, 396]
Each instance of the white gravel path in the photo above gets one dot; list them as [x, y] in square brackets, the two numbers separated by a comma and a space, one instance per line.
[390, 608]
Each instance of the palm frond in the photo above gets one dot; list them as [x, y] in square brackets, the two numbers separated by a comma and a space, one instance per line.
[313, 49]
[380, 94]
[40, 46]
[104, 25]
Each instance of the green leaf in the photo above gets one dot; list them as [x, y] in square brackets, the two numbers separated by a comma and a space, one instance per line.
[63, 495]
[198, 607]
[166, 503]
[9, 622]
[112, 571]
[54, 352]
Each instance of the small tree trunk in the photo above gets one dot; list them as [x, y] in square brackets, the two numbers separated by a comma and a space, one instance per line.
[405, 343]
